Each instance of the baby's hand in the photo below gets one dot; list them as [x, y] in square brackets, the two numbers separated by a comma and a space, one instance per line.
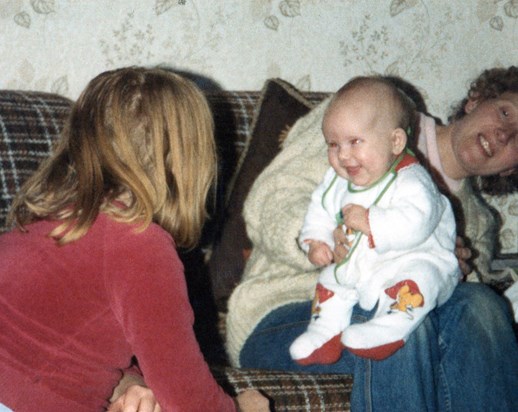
[356, 218]
[320, 253]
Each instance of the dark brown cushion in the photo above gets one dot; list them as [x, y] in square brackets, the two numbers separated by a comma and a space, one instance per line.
[280, 106]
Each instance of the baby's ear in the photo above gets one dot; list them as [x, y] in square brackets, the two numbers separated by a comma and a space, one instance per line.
[399, 140]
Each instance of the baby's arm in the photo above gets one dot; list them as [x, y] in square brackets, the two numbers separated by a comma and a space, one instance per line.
[319, 223]
[319, 253]
[412, 214]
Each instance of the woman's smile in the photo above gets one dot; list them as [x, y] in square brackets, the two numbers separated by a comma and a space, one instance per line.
[484, 144]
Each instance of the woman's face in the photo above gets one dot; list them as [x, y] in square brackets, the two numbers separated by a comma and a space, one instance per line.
[485, 140]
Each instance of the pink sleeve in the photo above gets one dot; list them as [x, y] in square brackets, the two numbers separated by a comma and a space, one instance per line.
[146, 286]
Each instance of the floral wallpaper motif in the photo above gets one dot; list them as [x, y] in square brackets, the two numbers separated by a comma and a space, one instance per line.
[438, 45]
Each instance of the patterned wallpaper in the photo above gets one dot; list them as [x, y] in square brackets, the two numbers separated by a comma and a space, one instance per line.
[439, 45]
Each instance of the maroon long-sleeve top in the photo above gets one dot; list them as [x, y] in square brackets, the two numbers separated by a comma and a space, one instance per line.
[72, 316]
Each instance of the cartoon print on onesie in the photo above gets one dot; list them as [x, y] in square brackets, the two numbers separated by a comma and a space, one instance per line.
[407, 297]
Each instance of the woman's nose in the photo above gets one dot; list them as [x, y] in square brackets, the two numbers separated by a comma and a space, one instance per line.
[502, 136]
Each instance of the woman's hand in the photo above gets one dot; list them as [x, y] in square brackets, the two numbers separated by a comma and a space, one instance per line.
[252, 401]
[340, 239]
[132, 395]
[463, 254]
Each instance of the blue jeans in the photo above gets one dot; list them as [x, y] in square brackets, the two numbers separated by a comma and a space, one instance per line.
[463, 357]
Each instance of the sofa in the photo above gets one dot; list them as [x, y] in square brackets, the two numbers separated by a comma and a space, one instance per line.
[249, 126]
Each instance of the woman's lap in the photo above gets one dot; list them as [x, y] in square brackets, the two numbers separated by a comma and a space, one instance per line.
[267, 348]
[466, 349]
[479, 350]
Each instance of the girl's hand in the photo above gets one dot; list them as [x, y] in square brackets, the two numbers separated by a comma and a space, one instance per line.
[252, 401]
[132, 395]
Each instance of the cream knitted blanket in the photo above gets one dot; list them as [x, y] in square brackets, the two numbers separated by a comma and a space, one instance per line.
[278, 272]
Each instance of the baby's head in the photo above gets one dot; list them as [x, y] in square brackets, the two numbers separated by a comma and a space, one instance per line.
[365, 127]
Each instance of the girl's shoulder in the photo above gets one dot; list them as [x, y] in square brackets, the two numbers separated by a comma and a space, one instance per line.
[115, 230]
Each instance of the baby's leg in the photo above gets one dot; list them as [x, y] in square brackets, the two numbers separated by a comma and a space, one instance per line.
[402, 306]
[331, 314]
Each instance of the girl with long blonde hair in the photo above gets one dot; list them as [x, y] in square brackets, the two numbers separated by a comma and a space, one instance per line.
[90, 276]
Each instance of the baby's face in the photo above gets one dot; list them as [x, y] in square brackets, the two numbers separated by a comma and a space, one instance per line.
[360, 141]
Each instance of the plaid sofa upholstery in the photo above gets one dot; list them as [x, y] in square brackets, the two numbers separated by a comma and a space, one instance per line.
[30, 123]
[295, 392]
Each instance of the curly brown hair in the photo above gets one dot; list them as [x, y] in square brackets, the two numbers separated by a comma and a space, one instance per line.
[489, 85]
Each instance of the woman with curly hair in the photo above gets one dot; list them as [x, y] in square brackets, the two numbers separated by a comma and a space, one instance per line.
[477, 150]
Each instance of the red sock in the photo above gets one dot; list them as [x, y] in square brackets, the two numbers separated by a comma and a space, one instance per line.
[328, 353]
[378, 352]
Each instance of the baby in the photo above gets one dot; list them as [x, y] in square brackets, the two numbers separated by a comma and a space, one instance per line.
[401, 230]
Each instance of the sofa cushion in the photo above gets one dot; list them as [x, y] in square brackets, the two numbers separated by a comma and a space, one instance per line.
[30, 123]
[280, 106]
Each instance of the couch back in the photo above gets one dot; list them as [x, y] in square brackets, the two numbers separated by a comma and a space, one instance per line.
[30, 123]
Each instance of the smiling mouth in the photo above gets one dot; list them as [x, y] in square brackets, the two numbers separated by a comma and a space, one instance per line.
[485, 145]
[352, 170]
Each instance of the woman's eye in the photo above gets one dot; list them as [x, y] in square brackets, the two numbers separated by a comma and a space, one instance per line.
[355, 141]
[504, 112]
[331, 145]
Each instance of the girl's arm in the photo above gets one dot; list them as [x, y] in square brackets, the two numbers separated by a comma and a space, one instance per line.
[147, 291]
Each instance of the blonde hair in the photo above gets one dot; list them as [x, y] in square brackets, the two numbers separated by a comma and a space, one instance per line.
[144, 136]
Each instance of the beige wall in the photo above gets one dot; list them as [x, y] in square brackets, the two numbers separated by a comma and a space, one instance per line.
[58, 45]
[439, 45]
